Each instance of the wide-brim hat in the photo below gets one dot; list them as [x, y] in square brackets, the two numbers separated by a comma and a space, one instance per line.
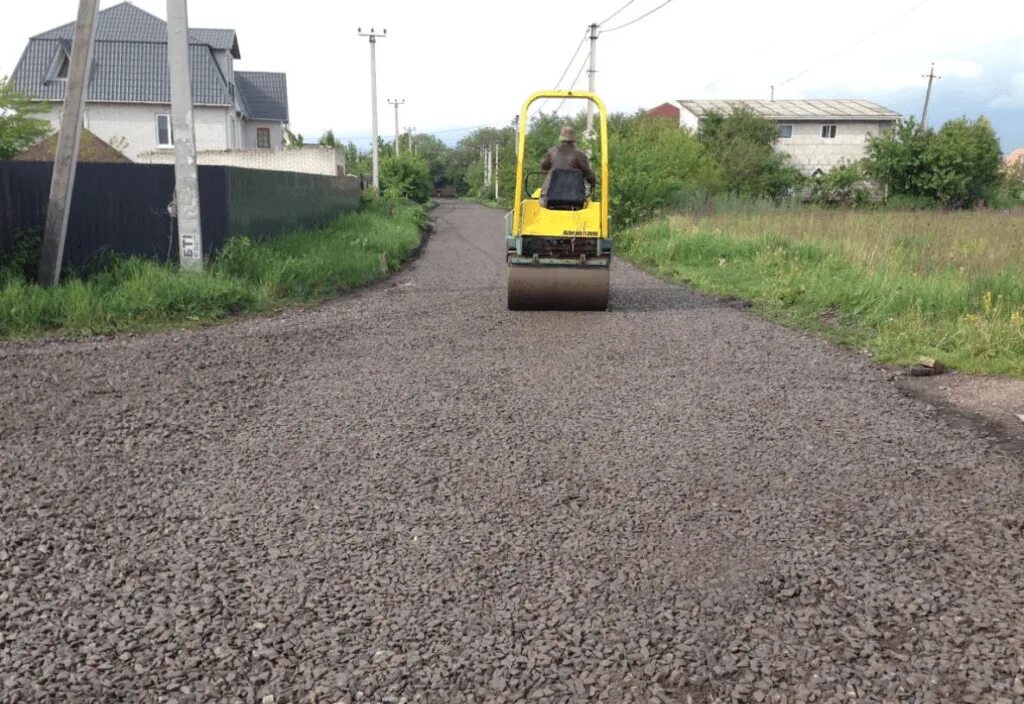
[568, 134]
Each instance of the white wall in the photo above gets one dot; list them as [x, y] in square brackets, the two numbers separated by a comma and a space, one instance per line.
[249, 134]
[136, 125]
[809, 151]
[688, 119]
[307, 160]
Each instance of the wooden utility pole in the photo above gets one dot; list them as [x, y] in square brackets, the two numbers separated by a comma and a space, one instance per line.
[497, 149]
[65, 161]
[928, 96]
[186, 171]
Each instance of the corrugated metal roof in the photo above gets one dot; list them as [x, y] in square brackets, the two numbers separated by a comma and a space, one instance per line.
[265, 95]
[795, 110]
[130, 66]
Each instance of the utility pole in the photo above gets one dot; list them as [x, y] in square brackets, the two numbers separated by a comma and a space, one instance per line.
[396, 103]
[412, 141]
[497, 150]
[773, 93]
[373, 98]
[593, 80]
[186, 172]
[65, 162]
[928, 96]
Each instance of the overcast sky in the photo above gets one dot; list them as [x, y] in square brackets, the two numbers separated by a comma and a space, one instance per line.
[467, 63]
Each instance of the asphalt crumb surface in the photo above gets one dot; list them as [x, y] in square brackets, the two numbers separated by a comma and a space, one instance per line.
[414, 495]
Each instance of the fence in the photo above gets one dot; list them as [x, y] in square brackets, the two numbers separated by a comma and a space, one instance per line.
[123, 208]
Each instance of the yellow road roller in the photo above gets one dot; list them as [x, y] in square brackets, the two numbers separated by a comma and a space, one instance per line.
[558, 250]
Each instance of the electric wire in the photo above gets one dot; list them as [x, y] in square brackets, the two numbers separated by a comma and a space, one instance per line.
[538, 108]
[855, 44]
[634, 21]
[579, 74]
[612, 16]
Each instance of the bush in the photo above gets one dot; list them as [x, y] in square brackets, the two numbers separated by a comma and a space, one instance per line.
[742, 145]
[406, 176]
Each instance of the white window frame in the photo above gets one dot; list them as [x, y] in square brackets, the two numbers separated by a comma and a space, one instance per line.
[829, 131]
[791, 130]
[170, 131]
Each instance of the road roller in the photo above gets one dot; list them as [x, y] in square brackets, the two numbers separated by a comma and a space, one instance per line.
[559, 252]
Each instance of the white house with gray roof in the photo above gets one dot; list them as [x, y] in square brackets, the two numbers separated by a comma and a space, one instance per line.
[128, 100]
[818, 135]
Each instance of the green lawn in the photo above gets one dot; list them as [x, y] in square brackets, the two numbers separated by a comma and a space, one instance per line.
[905, 285]
[136, 294]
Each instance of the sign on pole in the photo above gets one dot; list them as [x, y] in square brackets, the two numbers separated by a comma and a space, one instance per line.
[186, 172]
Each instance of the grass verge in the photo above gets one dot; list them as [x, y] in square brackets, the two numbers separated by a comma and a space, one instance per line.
[946, 286]
[246, 276]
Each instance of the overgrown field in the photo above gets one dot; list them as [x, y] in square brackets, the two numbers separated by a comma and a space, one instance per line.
[904, 285]
[247, 275]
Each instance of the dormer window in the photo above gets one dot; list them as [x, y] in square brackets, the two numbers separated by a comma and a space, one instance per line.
[65, 67]
[61, 65]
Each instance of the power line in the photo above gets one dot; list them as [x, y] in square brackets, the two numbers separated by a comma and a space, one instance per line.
[579, 74]
[612, 16]
[855, 44]
[645, 15]
[565, 72]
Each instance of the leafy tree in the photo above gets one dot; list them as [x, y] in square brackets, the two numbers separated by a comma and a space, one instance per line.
[406, 176]
[963, 162]
[654, 166]
[897, 158]
[742, 145]
[18, 128]
[329, 140]
[294, 140]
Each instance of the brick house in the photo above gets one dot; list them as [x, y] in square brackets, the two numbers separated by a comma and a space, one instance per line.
[818, 135]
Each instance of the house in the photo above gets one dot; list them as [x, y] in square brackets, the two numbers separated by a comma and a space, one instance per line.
[818, 135]
[128, 100]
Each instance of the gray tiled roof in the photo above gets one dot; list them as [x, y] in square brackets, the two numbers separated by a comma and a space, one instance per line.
[795, 110]
[130, 66]
[265, 95]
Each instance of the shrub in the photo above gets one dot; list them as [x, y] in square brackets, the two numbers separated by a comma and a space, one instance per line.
[406, 176]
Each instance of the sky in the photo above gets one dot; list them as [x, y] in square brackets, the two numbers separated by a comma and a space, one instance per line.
[468, 63]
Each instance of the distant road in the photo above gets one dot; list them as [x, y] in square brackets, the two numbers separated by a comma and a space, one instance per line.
[412, 494]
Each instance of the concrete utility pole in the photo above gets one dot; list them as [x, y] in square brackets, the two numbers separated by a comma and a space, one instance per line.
[497, 149]
[773, 93]
[928, 96]
[186, 171]
[593, 80]
[65, 162]
[396, 103]
[412, 141]
[373, 98]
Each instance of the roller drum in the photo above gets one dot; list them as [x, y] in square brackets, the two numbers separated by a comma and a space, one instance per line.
[547, 287]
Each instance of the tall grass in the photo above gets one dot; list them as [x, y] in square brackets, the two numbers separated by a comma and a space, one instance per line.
[905, 285]
[247, 275]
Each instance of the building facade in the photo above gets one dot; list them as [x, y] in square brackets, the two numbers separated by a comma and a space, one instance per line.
[128, 100]
[817, 135]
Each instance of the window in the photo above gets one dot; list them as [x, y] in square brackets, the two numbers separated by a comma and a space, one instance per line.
[65, 66]
[828, 131]
[164, 131]
[785, 131]
[263, 138]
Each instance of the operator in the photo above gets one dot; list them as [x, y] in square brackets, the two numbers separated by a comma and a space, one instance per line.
[565, 156]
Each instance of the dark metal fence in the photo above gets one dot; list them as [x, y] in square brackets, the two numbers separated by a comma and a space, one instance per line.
[123, 208]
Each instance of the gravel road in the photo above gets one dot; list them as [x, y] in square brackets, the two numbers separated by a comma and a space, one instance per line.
[412, 494]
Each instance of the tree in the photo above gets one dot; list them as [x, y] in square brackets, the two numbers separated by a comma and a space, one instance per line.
[742, 145]
[329, 140]
[18, 128]
[294, 140]
[897, 159]
[963, 162]
[655, 166]
[406, 176]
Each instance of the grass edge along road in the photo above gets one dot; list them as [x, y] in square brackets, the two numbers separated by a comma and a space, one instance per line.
[134, 294]
[903, 285]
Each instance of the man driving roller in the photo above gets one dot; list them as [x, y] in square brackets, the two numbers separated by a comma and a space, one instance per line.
[565, 155]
